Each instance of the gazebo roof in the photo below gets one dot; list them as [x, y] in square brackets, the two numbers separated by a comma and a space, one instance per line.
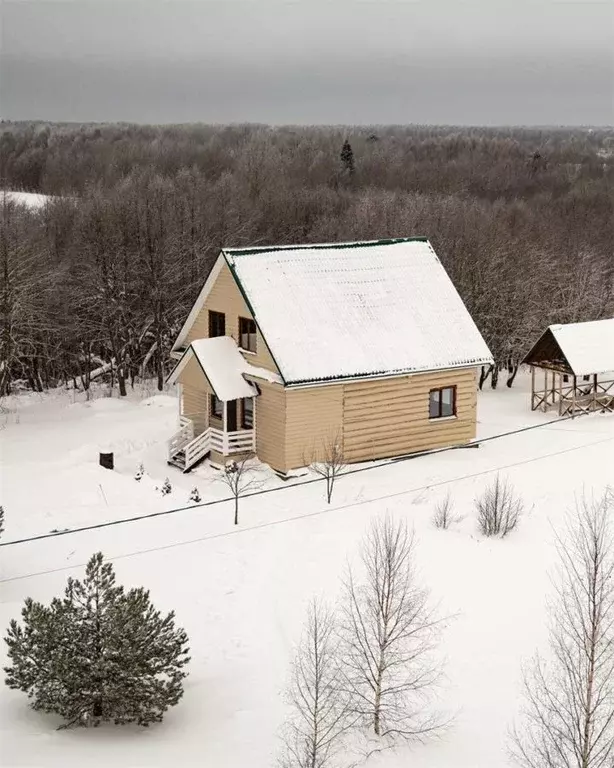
[576, 348]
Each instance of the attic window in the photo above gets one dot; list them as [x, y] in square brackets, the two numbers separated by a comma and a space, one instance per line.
[247, 334]
[217, 324]
[442, 403]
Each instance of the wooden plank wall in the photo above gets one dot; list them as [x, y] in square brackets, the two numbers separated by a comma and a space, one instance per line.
[226, 297]
[314, 417]
[195, 400]
[390, 417]
[270, 425]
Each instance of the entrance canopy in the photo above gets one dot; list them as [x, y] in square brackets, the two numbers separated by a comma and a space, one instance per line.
[223, 365]
[579, 349]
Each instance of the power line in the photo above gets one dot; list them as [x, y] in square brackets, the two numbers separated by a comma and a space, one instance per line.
[214, 502]
[307, 515]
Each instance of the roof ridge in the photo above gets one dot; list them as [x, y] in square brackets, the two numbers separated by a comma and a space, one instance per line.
[249, 251]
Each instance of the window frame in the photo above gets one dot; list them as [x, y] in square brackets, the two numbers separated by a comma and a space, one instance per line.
[244, 424]
[216, 317]
[249, 334]
[440, 391]
[213, 399]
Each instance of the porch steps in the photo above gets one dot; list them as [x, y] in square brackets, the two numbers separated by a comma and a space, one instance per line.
[178, 460]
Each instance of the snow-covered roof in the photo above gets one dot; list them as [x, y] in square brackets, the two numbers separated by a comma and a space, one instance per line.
[357, 309]
[29, 199]
[588, 347]
[225, 367]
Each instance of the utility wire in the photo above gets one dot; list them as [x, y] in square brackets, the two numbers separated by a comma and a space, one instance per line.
[307, 515]
[214, 502]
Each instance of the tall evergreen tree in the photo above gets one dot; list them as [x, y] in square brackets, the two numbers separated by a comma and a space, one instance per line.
[347, 157]
[99, 654]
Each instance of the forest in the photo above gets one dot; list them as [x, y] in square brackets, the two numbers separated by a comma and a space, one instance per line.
[99, 280]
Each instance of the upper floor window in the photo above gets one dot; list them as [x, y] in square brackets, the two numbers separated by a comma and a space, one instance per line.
[247, 334]
[442, 402]
[217, 324]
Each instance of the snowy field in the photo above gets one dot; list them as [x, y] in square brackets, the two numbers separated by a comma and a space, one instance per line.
[241, 593]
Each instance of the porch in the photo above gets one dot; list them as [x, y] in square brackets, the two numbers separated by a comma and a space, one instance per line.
[186, 448]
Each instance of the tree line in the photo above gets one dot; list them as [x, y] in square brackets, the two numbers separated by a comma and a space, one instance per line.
[99, 280]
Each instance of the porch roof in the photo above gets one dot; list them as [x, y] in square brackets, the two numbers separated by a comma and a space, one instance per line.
[223, 365]
[576, 348]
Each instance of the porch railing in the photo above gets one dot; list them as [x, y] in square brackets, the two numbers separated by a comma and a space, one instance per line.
[211, 439]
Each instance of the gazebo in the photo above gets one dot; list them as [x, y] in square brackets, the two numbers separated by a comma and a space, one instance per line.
[577, 363]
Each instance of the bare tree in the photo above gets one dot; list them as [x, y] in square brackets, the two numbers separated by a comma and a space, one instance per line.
[329, 462]
[389, 637]
[312, 736]
[444, 516]
[240, 477]
[568, 717]
[499, 508]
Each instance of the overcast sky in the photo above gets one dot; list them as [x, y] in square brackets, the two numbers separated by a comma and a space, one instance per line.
[538, 62]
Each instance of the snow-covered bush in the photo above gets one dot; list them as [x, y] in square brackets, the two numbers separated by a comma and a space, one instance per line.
[140, 471]
[195, 495]
[166, 487]
[98, 654]
[499, 509]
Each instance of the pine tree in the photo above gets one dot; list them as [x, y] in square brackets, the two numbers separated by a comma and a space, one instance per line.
[195, 494]
[99, 654]
[139, 472]
[166, 487]
[347, 157]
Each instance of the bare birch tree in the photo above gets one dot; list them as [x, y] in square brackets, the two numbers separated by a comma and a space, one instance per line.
[568, 716]
[240, 477]
[329, 462]
[389, 636]
[312, 736]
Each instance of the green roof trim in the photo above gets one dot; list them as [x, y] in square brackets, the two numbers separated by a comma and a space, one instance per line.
[319, 247]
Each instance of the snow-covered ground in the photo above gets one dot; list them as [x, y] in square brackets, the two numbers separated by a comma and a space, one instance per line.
[241, 592]
[29, 199]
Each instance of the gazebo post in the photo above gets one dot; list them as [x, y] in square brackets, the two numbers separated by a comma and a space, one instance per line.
[532, 387]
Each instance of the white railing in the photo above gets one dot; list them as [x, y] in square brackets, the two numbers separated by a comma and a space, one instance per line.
[232, 442]
[197, 448]
[240, 441]
[181, 438]
[194, 448]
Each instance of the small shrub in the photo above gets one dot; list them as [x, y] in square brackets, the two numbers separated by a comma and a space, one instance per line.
[139, 472]
[444, 516]
[166, 487]
[499, 509]
[195, 495]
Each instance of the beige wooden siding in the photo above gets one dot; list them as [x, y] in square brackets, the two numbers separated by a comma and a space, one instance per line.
[226, 297]
[270, 421]
[195, 395]
[390, 417]
[313, 419]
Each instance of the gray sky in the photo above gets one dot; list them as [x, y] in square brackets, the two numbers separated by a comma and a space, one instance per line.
[309, 61]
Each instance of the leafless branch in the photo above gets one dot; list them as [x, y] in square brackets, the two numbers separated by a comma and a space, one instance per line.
[568, 715]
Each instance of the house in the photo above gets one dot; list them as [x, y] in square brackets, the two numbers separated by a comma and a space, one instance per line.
[288, 350]
[577, 363]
